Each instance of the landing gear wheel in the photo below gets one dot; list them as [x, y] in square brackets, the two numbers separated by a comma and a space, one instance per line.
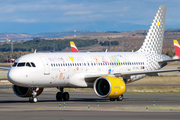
[112, 99]
[120, 98]
[59, 96]
[65, 96]
[33, 99]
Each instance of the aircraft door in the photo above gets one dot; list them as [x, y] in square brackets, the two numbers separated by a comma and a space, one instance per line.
[46, 65]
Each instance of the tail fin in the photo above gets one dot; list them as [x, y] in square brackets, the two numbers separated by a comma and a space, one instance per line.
[154, 39]
[73, 47]
[177, 48]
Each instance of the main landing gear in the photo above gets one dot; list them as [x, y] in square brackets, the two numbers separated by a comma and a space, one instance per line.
[62, 95]
[33, 98]
[120, 98]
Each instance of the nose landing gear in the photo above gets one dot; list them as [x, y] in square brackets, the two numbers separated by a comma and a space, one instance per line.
[62, 95]
[33, 98]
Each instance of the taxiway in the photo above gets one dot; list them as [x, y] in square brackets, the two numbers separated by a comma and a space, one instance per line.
[167, 106]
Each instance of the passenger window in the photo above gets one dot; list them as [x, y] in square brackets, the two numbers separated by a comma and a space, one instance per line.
[14, 65]
[21, 64]
[28, 64]
[32, 64]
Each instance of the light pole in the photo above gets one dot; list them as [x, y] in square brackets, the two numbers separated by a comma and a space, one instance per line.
[12, 46]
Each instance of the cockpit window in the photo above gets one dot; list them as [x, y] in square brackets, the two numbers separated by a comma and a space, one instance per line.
[33, 64]
[21, 64]
[14, 65]
[28, 64]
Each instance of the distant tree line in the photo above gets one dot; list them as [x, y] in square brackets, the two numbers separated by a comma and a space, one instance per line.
[107, 43]
[45, 45]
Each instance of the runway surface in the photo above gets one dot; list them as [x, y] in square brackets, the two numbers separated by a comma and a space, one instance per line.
[133, 107]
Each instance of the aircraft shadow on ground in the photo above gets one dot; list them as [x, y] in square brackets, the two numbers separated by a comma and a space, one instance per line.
[71, 100]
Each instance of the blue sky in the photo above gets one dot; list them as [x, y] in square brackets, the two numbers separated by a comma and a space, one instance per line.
[37, 16]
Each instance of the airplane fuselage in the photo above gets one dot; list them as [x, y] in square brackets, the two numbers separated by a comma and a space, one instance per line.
[70, 69]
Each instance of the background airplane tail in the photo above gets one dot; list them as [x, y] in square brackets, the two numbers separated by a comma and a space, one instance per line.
[177, 48]
[154, 39]
[73, 47]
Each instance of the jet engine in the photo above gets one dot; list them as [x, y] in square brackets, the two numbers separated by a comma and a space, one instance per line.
[109, 87]
[25, 91]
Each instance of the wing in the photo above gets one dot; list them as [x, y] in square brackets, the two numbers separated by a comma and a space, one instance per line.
[92, 78]
[144, 72]
[5, 68]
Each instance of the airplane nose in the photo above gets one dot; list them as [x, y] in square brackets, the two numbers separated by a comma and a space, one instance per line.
[12, 77]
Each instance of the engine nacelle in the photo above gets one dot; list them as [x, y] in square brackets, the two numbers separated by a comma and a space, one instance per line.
[109, 87]
[25, 91]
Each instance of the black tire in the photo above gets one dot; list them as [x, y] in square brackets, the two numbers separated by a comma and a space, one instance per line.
[59, 96]
[120, 98]
[33, 99]
[30, 99]
[65, 96]
[112, 99]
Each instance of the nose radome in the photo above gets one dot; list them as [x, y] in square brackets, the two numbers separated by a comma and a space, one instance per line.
[12, 76]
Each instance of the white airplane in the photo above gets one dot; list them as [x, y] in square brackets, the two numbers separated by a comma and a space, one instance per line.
[106, 72]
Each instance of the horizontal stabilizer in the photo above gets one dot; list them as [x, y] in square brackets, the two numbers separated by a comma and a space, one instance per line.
[171, 60]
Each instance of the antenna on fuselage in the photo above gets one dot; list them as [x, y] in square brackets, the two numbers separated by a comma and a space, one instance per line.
[35, 51]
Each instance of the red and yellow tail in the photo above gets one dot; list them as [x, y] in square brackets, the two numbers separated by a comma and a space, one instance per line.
[177, 48]
[73, 47]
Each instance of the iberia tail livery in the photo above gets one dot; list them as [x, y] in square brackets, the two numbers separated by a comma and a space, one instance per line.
[177, 49]
[105, 72]
[73, 47]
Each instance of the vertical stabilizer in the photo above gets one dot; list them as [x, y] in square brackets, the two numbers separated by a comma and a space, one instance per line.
[177, 48]
[73, 47]
[154, 40]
